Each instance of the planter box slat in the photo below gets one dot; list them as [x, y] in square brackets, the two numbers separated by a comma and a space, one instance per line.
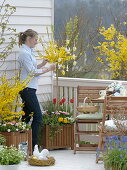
[15, 138]
[63, 139]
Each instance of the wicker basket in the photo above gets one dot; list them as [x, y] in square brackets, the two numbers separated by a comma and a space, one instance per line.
[88, 108]
[36, 162]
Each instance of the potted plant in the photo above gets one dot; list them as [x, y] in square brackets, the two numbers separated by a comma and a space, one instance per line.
[115, 153]
[57, 125]
[10, 156]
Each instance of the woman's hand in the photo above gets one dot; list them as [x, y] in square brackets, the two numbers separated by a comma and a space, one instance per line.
[52, 67]
[42, 64]
[45, 61]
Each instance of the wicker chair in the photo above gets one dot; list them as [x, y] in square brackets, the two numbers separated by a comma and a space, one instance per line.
[114, 108]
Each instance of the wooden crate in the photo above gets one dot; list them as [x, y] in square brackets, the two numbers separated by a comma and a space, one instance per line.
[63, 138]
[15, 138]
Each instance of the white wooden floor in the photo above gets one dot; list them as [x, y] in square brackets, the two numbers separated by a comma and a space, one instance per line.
[65, 160]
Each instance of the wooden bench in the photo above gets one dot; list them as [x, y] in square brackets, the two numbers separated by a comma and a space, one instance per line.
[91, 119]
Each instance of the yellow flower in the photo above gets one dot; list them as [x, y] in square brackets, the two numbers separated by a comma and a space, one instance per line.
[74, 48]
[9, 97]
[56, 54]
[74, 56]
[60, 119]
[113, 51]
[63, 72]
[65, 121]
[63, 66]
[67, 42]
[74, 63]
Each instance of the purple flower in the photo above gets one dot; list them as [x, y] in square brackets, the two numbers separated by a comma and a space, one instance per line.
[124, 139]
[44, 112]
[10, 123]
[65, 113]
[121, 156]
[57, 113]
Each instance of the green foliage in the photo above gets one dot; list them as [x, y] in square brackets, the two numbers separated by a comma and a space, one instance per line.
[10, 156]
[116, 159]
[2, 139]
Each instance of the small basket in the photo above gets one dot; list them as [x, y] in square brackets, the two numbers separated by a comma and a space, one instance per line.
[36, 162]
[88, 108]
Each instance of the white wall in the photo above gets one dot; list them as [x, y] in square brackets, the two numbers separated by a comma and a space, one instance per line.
[36, 15]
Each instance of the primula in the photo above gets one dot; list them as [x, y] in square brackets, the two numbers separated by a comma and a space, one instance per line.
[60, 119]
[65, 121]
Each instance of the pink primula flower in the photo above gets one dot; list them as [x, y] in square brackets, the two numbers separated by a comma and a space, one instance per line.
[65, 113]
[57, 113]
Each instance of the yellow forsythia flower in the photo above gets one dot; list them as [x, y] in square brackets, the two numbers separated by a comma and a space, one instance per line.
[113, 52]
[57, 54]
[63, 72]
[9, 98]
[74, 63]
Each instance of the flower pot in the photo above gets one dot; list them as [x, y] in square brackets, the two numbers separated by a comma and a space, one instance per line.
[15, 138]
[62, 139]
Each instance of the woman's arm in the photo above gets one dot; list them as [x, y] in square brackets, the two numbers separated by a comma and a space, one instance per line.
[45, 70]
[31, 69]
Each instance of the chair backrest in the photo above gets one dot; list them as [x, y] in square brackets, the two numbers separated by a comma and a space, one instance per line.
[114, 106]
[87, 91]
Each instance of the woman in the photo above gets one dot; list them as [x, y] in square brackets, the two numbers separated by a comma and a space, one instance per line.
[29, 68]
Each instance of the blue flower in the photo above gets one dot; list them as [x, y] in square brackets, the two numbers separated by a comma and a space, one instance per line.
[121, 156]
[124, 139]
[125, 147]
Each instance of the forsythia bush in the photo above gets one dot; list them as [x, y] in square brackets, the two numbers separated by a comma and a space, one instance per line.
[58, 55]
[9, 100]
[113, 52]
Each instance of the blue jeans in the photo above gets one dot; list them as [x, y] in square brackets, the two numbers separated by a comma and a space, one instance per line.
[31, 106]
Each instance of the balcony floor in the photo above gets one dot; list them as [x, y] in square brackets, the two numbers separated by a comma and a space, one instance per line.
[65, 160]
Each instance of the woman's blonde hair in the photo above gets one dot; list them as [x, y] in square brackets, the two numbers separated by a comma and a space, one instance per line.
[23, 35]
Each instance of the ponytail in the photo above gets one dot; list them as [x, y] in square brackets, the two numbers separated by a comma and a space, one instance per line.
[23, 35]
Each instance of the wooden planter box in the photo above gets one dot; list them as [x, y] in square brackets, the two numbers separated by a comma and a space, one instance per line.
[15, 138]
[63, 139]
